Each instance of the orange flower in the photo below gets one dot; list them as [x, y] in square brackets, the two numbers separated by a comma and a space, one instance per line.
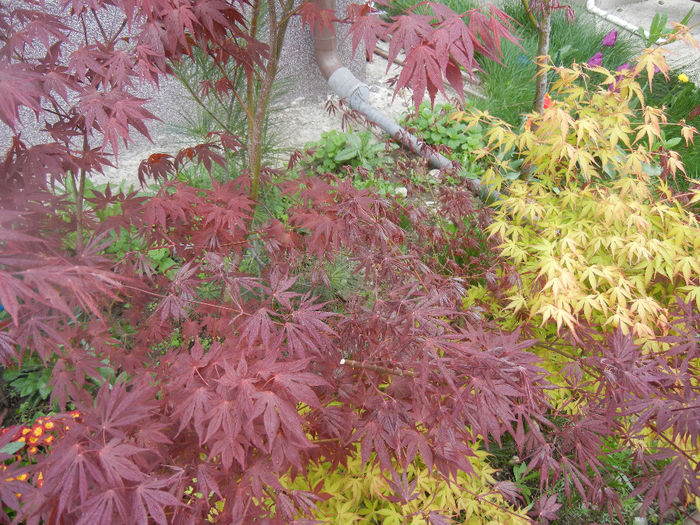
[75, 414]
[26, 430]
[37, 431]
[33, 440]
[40, 480]
[49, 439]
[32, 450]
[49, 425]
[547, 101]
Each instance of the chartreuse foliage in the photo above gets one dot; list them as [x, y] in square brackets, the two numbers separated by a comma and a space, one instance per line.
[613, 255]
[597, 236]
[357, 493]
[604, 250]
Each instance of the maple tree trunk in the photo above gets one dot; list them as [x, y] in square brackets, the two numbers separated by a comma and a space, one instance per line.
[258, 104]
[79, 191]
[79, 184]
[543, 30]
[250, 101]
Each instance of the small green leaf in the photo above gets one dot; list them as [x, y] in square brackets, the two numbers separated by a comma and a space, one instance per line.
[346, 154]
[158, 253]
[670, 143]
[13, 447]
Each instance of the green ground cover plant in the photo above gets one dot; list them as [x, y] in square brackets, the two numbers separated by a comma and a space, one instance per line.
[350, 148]
[452, 137]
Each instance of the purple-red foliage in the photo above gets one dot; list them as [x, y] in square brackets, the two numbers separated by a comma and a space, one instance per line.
[438, 46]
[263, 376]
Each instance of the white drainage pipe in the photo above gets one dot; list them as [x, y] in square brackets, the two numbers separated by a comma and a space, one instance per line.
[592, 8]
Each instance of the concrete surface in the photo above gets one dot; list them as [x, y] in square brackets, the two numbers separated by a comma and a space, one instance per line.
[680, 56]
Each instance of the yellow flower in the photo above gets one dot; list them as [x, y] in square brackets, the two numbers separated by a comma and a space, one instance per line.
[683, 78]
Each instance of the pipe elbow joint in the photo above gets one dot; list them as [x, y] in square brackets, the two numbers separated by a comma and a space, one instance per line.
[349, 88]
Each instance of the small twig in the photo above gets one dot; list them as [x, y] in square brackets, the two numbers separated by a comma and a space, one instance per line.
[377, 368]
[325, 440]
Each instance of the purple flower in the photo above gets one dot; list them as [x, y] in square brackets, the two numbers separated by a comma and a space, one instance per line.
[624, 67]
[610, 39]
[596, 60]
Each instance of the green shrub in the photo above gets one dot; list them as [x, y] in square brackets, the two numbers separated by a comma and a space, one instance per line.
[355, 149]
[439, 128]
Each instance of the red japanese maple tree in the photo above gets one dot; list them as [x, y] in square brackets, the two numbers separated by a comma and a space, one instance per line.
[263, 376]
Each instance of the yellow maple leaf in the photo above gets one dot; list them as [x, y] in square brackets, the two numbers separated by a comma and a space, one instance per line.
[652, 60]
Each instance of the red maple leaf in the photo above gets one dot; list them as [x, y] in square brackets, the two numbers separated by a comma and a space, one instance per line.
[366, 28]
[317, 18]
[19, 87]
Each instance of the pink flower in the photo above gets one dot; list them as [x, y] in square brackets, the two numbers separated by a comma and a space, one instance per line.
[610, 39]
[596, 60]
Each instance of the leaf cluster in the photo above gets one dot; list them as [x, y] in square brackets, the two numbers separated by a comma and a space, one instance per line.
[336, 149]
[353, 494]
[438, 42]
[452, 136]
[595, 241]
